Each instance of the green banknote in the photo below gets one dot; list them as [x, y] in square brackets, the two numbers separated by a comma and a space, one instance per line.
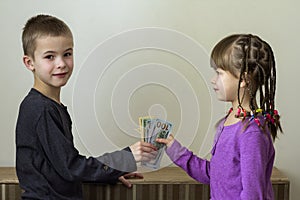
[153, 128]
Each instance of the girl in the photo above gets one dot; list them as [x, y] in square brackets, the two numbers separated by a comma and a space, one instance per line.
[243, 153]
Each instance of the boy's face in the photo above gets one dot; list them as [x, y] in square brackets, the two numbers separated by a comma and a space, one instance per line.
[53, 61]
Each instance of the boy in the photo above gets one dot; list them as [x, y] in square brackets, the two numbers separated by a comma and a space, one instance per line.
[47, 163]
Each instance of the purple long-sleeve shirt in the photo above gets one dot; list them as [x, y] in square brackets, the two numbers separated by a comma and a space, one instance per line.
[240, 166]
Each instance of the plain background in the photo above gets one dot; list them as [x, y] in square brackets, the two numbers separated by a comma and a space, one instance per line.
[206, 22]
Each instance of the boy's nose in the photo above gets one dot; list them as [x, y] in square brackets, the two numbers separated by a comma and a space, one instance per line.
[61, 63]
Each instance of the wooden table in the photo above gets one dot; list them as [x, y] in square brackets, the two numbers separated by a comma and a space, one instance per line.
[168, 183]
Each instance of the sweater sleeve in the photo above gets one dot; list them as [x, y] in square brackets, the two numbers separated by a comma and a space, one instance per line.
[195, 167]
[256, 157]
[67, 161]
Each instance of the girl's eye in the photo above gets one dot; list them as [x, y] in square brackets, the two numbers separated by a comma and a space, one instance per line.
[219, 71]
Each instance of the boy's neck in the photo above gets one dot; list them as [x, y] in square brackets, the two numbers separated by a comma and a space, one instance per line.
[52, 93]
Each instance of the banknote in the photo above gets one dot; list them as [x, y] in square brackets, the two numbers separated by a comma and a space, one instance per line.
[153, 128]
[145, 123]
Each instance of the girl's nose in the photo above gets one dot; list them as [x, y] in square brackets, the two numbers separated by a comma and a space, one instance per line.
[213, 79]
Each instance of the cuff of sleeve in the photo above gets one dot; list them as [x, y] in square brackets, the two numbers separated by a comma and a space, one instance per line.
[127, 149]
[119, 160]
[175, 151]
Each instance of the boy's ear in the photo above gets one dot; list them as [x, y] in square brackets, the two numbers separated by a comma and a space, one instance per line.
[28, 61]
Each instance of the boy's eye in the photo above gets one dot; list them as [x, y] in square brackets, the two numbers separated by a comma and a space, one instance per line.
[68, 54]
[50, 57]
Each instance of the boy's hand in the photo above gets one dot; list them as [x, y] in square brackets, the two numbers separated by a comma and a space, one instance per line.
[126, 182]
[143, 151]
[168, 141]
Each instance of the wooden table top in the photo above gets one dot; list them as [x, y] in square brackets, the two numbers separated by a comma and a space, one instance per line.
[167, 175]
[8, 175]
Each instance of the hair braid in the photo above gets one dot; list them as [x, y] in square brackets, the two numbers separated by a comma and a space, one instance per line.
[244, 68]
[266, 81]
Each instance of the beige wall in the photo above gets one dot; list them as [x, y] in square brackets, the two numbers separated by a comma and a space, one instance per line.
[186, 101]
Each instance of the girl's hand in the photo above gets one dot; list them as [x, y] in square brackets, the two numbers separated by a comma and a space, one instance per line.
[168, 141]
[143, 151]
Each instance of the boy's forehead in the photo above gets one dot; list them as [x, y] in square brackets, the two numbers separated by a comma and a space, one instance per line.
[54, 42]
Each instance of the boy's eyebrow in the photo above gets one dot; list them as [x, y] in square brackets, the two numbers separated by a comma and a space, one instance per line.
[69, 49]
[46, 52]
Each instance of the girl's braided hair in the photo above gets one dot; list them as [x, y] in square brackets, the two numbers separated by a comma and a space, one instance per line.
[251, 59]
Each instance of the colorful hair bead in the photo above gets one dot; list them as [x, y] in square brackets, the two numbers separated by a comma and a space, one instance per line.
[245, 113]
[268, 116]
[251, 118]
[259, 110]
[238, 112]
[257, 121]
[272, 120]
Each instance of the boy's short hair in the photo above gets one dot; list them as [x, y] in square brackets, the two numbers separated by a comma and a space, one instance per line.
[42, 26]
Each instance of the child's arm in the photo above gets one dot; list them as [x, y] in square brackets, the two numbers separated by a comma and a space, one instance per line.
[196, 167]
[66, 161]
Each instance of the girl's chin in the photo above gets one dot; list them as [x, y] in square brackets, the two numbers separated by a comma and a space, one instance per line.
[222, 99]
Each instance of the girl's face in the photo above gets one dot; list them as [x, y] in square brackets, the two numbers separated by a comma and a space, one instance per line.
[225, 85]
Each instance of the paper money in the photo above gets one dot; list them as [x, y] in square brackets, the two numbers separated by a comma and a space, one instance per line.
[151, 129]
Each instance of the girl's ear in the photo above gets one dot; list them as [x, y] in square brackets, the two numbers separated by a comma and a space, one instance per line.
[28, 61]
[244, 82]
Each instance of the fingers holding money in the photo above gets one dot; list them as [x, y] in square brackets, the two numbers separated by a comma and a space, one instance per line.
[168, 141]
[143, 151]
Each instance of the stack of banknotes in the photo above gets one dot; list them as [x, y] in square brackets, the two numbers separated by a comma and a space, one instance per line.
[151, 129]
